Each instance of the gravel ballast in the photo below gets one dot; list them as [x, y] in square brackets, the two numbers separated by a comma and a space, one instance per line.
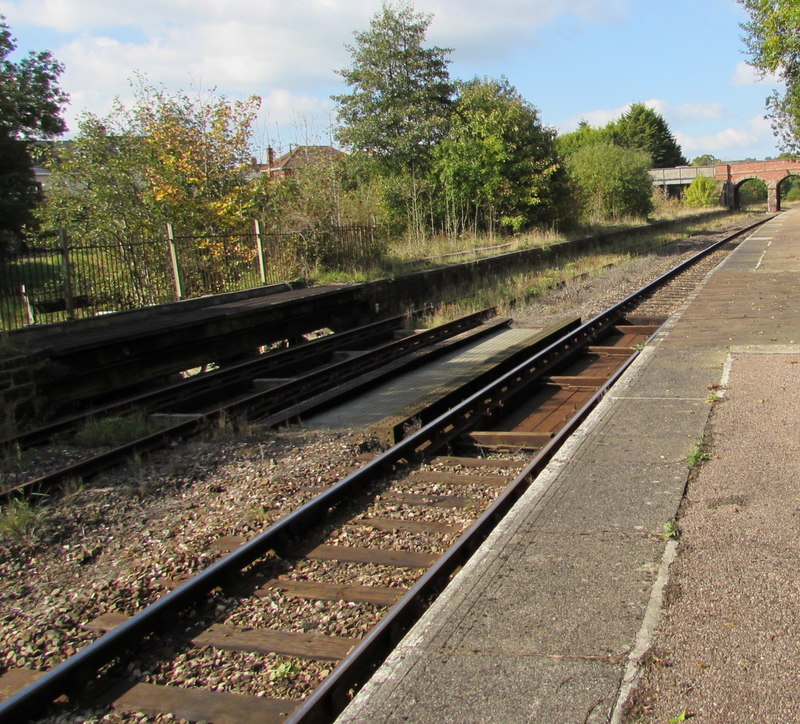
[120, 541]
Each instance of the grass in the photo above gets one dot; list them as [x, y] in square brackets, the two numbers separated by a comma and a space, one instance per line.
[112, 431]
[18, 518]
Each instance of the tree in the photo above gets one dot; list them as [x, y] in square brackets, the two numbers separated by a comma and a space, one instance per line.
[166, 158]
[584, 135]
[400, 101]
[498, 165]
[613, 182]
[706, 160]
[640, 127]
[773, 41]
[30, 107]
[701, 192]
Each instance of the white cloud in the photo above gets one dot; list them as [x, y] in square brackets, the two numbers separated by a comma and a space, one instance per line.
[728, 142]
[242, 47]
[746, 75]
[683, 113]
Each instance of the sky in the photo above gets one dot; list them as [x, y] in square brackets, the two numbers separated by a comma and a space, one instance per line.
[582, 59]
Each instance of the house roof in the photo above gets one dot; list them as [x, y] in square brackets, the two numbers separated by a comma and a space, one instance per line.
[306, 156]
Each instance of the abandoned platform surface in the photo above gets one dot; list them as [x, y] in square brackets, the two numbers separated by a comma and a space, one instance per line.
[551, 619]
[413, 389]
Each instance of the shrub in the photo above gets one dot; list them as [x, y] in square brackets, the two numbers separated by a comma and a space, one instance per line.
[702, 191]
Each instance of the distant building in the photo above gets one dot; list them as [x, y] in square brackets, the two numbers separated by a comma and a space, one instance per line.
[298, 158]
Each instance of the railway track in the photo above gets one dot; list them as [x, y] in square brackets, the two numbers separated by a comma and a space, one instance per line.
[432, 488]
[280, 386]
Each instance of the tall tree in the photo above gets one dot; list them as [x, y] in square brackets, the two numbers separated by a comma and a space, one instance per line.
[400, 101]
[30, 107]
[773, 41]
[642, 128]
[498, 165]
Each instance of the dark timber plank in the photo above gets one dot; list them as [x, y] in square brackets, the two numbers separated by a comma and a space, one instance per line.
[15, 680]
[594, 382]
[526, 440]
[376, 595]
[477, 462]
[221, 707]
[266, 641]
[288, 643]
[411, 526]
[432, 501]
[380, 556]
[445, 478]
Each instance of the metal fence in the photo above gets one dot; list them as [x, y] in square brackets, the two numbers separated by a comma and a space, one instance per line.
[70, 280]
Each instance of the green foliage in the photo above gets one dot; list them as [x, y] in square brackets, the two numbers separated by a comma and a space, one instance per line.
[640, 127]
[773, 41]
[166, 158]
[752, 191]
[702, 192]
[30, 104]
[706, 160]
[17, 517]
[400, 101]
[112, 431]
[585, 135]
[698, 454]
[30, 98]
[613, 182]
[498, 165]
[790, 188]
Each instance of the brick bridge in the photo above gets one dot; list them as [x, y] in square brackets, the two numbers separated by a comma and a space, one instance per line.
[730, 176]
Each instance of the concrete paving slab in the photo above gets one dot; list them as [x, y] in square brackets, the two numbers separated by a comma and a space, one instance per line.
[635, 430]
[571, 595]
[498, 688]
[674, 373]
[614, 496]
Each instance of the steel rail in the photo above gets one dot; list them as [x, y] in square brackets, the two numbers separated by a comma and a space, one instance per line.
[202, 384]
[274, 398]
[67, 677]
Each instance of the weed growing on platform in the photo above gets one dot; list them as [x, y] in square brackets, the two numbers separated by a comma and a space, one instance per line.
[698, 455]
[671, 531]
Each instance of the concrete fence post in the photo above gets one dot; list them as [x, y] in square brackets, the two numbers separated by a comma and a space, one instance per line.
[66, 274]
[262, 269]
[173, 258]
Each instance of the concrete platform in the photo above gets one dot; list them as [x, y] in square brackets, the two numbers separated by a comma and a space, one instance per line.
[427, 383]
[549, 620]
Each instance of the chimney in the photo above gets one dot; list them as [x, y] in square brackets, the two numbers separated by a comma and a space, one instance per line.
[270, 157]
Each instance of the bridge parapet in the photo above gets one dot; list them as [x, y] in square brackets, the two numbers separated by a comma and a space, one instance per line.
[680, 175]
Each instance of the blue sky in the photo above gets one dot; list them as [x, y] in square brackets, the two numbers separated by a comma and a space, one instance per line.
[585, 59]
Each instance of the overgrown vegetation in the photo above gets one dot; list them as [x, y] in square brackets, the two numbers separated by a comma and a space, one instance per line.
[702, 192]
[112, 431]
[433, 166]
[773, 41]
